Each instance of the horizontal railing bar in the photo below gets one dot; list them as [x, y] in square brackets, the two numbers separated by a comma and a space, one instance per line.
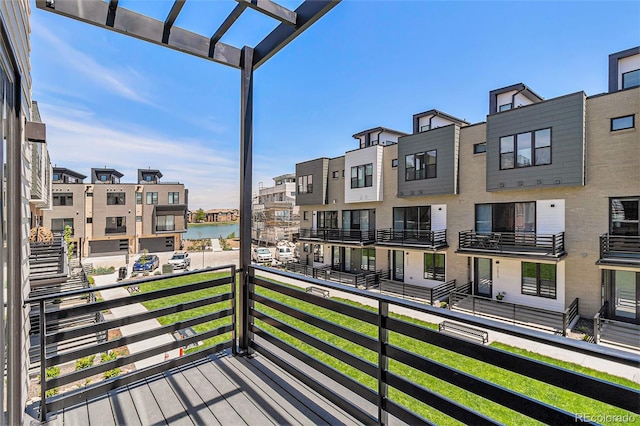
[601, 390]
[600, 351]
[106, 325]
[120, 284]
[438, 402]
[129, 359]
[330, 372]
[405, 415]
[138, 337]
[503, 396]
[341, 308]
[328, 349]
[68, 399]
[138, 298]
[352, 336]
[330, 394]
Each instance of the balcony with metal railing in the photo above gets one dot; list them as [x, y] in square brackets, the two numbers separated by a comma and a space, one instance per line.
[620, 250]
[306, 358]
[347, 236]
[412, 238]
[518, 244]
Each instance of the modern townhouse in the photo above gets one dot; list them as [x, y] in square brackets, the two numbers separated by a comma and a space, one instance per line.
[537, 206]
[108, 216]
[274, 211]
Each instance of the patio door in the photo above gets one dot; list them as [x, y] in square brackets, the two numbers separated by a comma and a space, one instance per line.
[624, 296]
[398, 265]
[482, 277]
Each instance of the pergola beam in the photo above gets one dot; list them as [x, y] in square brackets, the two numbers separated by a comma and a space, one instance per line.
[96, 12]
[228, 22]
[271, 9]
[307, 14]
[171, 19]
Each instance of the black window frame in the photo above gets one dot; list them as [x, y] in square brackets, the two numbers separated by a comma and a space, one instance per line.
[508, 105]
[633, 122]
[438, 272]
[173, 198]
[59, 196]
[335, 174]
[541, 289]
[426, 170]
[511, 152]
[138, 197]
[120, 225]
[66, 221]
[394, 163]
[305, 184]
[113, 197]
[363, 176]
[627, 73]
[153, 197]
[625, 219]
[368, 254]
[327, 219]
[480, 148]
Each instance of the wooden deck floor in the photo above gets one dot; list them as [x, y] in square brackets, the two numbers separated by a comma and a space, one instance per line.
[222, 390]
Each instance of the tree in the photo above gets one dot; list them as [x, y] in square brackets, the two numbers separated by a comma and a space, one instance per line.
[69, 241]
[200, 215]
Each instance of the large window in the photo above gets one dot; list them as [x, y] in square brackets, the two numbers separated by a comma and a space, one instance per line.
[165, 223]
[116, 225]
[434, 266]
[305, 184]
[174, 198]
[506, 217]
[358, 219]
[412, 218]
[539, 279]
[525, 149]
[63, 199]
[631, 79]
[621, 123]
[368, 260]
[116, 198]
[138, 197]
[623, 213]
[58, 225]
[362, 176]
[327, 220]
[152, 198]
[421, 166]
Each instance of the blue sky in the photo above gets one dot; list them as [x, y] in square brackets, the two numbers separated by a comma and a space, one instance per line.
[111, 100]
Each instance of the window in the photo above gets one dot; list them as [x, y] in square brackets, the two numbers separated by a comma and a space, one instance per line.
[539, 279]
[479, 148]
[103, 178]
[305, 184]
[505, 107]
[148, 178]
[89, 194]
[525, 149]
[174, 198]
[327, 220]
[138, 197]
[434, 266]
[305, 215]
[624, 218]
[421, 165]
[412, 218]
[631, 79]
[368, 260]
[165, 223]
[115, 199]
[89, 220]
[138, 218]
[335, 174]
[58, 225]
[506, 217]
[152, 198]
[63, 199]
[394, 162]
[425, 128]
[362, 176]
[621, 123]
[116, 225]
[55, 177]
[358, 220]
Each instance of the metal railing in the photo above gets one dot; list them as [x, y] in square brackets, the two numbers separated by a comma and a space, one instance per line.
[439, 293]
[162, 228]
[370, 392]
[613, 332]
[515, 313]
[360, 280]
[213, 290]
[513, 242]
[115, 230]
[412, 237]
[597, 321]
[620, 246]
[339, 235]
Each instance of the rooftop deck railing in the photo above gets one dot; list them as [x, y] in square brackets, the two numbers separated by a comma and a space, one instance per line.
[621, 247]
[513, 242]
[202, 302]
[370, 385]
[412, 237]
[360, 236]
[439, 293]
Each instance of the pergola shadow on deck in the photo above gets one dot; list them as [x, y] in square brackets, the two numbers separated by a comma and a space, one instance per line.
[217, 390]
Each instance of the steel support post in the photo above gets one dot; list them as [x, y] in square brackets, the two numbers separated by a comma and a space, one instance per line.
[383, 361]
[246, 165]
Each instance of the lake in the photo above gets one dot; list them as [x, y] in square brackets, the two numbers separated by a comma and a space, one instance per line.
[210, 230]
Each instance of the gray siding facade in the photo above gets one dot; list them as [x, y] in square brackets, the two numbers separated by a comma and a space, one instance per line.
[319, 169]
[445, 140]
[566, 118]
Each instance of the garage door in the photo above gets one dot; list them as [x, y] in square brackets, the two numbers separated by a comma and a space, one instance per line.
[108, 247]
[157, 244]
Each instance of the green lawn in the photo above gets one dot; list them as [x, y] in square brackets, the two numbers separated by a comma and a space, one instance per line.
[532, 388]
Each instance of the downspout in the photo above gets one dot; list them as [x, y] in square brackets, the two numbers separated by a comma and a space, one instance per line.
[513, 97]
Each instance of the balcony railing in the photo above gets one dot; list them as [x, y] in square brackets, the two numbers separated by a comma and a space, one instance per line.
[524, 243]
[361, 280]
[412, 237]
[430, 295]
[164, 228]
[115, 230]
[620, 248]
[339, 235]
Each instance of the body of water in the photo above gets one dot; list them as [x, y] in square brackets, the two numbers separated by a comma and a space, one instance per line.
[210, 230]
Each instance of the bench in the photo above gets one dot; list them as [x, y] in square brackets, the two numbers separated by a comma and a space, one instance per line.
[133, 289]
[318, 291]
[464, 331]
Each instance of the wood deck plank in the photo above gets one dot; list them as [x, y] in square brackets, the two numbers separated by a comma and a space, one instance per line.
[124, 410]
[100, 412]
[172, 409]
[196, 408]
[246, 409]
[76, 415]
[146, 405]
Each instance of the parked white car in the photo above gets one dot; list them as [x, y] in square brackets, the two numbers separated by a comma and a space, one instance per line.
[261, 255]
[284, 254]
[180, 260]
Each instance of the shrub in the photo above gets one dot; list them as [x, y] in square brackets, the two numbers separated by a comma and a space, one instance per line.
[106, 357]
[85, 362]
[111, 373]
[104, 270]
[157, 272]
[91, 280]
[51, 373]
